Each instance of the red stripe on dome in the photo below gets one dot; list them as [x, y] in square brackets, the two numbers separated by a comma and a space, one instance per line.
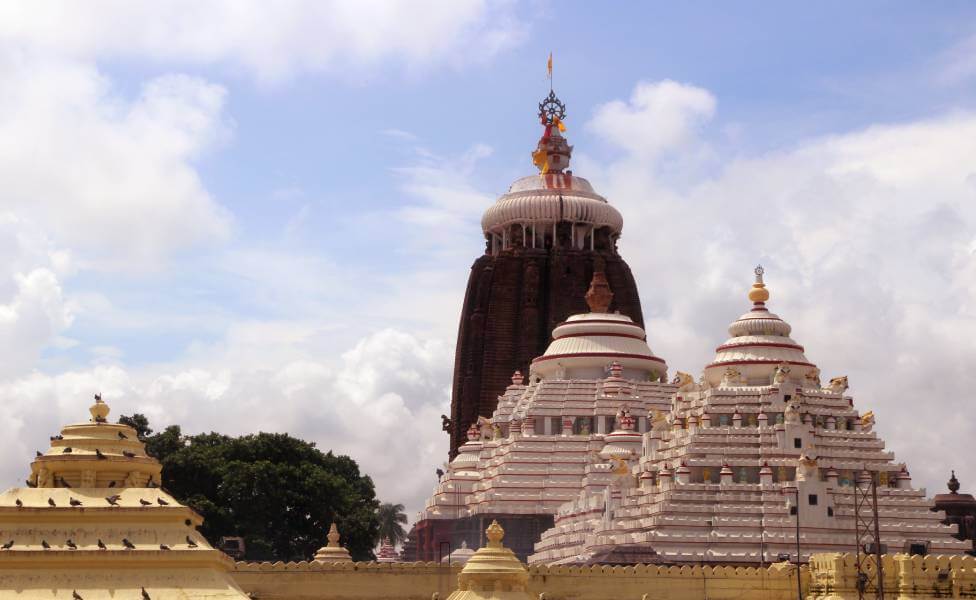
[759, 362]
[598, 355]
[624, 335]
[757, 344]
[584, 321]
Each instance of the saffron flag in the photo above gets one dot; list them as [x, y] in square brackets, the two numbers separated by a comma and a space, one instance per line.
[549, 66]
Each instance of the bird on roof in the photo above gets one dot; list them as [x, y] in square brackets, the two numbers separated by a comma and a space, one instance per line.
[164, 547]
[67, 450]
[145, 594]
[113, 500]
[111, 484]
[128, 454]
[144, 502]
[101, 545]
[30, 483]
[50, 501]
[71, 544]
[190, 542]
[8, 545]
[76, 595]
[74, 502]
[127, 544]
[38, 453]
[99, 454]
[57, 437]
[161, 502]
[45, 545]
[122, 436]
[18, 503]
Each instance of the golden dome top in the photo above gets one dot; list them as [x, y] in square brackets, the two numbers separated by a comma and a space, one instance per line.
[759, 293]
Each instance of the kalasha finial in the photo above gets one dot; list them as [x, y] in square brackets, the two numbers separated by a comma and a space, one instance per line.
[99, 411]
[495, 534]
[333, 536]
[759, 294]
[953, 483]
[599, 296]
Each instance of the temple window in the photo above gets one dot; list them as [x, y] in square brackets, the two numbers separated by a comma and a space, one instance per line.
[797, 443]
[557, 425]
[812, 499]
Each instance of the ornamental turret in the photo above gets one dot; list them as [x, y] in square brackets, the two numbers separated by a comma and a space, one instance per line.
[760, 347]
[96, 454]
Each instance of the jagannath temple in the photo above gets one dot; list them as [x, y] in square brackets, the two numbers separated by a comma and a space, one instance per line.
[593, 456]
[566, 432]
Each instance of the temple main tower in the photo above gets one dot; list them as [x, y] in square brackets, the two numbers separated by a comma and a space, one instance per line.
[544, 239]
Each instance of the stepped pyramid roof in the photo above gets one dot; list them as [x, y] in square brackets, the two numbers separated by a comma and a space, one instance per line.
[94, 523]
[756, 445]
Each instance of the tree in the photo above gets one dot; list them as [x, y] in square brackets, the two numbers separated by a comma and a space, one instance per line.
[391, 519]
[277, 492]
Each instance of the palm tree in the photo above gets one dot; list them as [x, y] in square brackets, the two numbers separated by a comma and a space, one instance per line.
[391, 518]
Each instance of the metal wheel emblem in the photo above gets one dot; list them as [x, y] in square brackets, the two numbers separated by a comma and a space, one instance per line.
[551, 109]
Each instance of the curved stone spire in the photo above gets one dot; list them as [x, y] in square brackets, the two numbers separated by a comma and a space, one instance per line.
[760, 342]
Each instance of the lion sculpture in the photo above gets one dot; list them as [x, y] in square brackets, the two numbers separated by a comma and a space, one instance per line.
[838, 385]
[683, 381]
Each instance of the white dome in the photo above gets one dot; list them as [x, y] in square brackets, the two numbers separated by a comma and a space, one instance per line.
[585, 344]
[550, 198]
[759, 341]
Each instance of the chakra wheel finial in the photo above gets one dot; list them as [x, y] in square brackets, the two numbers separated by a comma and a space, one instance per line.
[551, 110]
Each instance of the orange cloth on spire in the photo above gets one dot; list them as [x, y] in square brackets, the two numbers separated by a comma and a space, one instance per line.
[549, 66]
[540, 158]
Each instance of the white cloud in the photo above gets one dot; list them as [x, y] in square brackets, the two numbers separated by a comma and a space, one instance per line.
[269, 42]
[108, 177]
[867, 240]
[658, 117]
[378, 402]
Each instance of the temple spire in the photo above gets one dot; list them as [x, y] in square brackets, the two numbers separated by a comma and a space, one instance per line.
[599, 296]
[552, 153]
[759, 294]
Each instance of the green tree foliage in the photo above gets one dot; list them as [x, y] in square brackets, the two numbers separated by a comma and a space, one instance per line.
[277, 492]
[391, 519]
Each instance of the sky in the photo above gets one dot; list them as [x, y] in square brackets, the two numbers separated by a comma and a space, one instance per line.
[239, 217]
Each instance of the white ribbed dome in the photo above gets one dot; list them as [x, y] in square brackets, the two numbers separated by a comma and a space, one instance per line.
[549, 198]
[585, 344]
[759, 341]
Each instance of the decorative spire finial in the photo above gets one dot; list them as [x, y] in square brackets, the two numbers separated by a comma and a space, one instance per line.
[552, 153]
[599, 296]
[953, 483]
[495, 534]
[99, 411]
[333, 536]
[759, 294]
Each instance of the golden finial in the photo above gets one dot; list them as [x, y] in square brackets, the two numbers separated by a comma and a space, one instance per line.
[599, 296]
[759, 293]
[99, 411]
[333, 536]
[495, 534]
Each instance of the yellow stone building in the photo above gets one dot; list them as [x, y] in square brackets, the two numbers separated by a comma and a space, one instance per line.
[94, 524]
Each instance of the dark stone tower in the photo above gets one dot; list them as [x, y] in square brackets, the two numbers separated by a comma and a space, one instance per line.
[544, 239]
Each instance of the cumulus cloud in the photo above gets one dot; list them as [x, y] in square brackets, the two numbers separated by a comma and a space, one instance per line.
[379, 402]
[109, 177]
[269, 42]
[657, 117]
[867, 240]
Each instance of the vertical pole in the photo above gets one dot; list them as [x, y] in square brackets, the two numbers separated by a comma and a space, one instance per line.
[877, 532]
[799, 588]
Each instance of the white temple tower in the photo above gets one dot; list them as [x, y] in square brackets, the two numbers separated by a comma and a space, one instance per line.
[720, 478]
